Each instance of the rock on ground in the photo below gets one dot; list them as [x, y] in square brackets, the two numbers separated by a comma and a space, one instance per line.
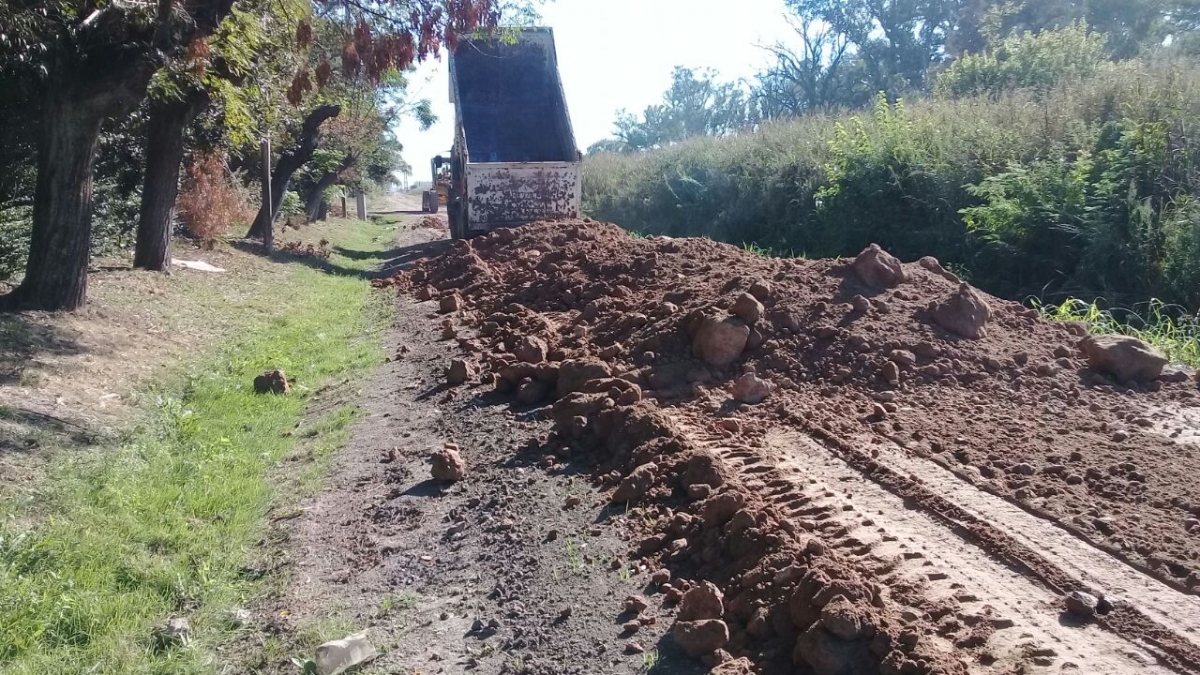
[842, 618]
[827, 654]
[748, 308]
[719, 342]
[878, 268]
[704, 601]
[1125, 358]
[450, 303]
[459, 372]
[965, 313]
[448, 465]
[1082, 605]
[573, 374]
[530, 349]
[635, 484]
[752, 389]
[698, 638]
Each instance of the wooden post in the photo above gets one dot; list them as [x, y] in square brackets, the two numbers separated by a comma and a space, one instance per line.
[268, 207]
[343, 204]
[360, 200]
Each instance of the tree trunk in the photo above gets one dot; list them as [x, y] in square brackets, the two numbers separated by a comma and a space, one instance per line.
[83, 88]
[164, 155]
[289, 164]
[313, 207]
[76, 105]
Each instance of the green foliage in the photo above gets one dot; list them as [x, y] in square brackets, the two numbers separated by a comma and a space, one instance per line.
[1084, 190]
[14, 240]
[695, 104]
[163, 525]
[1038, 60]
[291, 207]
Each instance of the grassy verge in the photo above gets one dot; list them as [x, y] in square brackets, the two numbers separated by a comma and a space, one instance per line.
[163, 524]
[1179, 339]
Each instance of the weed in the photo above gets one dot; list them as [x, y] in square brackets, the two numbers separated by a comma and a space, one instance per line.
[650, 659]
[1178, 338]
[575, 559]
[625, 574]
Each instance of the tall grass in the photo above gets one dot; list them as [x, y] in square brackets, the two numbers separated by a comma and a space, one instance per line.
[1158, 325]
[1084, 190]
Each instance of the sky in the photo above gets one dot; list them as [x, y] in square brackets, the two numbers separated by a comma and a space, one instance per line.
[615, 54]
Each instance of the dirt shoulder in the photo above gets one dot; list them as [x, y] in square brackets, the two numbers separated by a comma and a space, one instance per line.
[519, 568]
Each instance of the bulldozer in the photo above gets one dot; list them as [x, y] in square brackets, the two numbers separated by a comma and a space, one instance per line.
[433, 199]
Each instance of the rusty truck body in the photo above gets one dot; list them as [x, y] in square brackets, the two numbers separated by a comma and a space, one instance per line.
[514, 160]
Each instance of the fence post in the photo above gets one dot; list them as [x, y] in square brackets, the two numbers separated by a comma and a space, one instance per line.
[361, 201]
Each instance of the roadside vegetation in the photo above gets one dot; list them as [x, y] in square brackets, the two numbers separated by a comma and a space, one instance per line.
[116, 540]
[1040, 155]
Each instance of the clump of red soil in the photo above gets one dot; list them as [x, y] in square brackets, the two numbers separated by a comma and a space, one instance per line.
[617, 329]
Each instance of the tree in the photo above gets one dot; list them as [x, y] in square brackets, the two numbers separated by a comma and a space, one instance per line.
[366, 42]
[257, 37]
[896, 40]
[97, 64]
[1026, 60]
[695, 104]
[821, 74]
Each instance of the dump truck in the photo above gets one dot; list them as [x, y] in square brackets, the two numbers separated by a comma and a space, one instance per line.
[514, 159]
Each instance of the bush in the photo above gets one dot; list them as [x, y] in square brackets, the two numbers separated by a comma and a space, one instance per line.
[1090, 189]
[1026, 60]
[210, 201]
[14, 240]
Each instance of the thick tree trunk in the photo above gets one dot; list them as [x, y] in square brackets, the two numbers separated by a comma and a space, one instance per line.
[289, 164]
[164, 155]
[60, 247]
[76, 105]
[315, 207]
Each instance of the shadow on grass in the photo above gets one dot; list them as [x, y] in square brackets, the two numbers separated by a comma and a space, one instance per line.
[23, 339]
[395, 259]
[26, 431]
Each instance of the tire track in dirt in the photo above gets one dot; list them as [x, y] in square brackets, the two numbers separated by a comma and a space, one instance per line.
[1174, 650]
[1003, 619]
[1088, 565]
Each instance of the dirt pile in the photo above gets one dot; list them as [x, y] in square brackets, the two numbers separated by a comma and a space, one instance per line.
[640, 342]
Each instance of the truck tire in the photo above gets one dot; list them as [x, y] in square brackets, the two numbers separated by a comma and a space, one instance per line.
[454, 212]
[424, 202]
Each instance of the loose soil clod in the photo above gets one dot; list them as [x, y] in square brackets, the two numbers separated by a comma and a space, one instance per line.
[272, 382]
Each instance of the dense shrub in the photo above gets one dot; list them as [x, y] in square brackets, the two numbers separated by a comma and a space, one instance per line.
[210, 201]
[1087, 189]
[1026, 60]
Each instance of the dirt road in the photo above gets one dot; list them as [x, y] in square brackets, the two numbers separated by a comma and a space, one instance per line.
[511, 570]
[850, 488]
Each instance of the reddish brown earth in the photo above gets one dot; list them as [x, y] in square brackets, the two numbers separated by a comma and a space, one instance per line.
[903, 498]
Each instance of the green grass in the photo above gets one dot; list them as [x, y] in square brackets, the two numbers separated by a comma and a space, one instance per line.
[1179, 339]
[163, 524]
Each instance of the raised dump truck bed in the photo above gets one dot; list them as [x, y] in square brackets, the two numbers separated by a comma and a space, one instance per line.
[515, 158]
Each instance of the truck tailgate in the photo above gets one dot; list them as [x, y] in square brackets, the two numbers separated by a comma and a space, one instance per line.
[508, 193]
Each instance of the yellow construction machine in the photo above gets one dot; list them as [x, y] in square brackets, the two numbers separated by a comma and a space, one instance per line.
[432, 200]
